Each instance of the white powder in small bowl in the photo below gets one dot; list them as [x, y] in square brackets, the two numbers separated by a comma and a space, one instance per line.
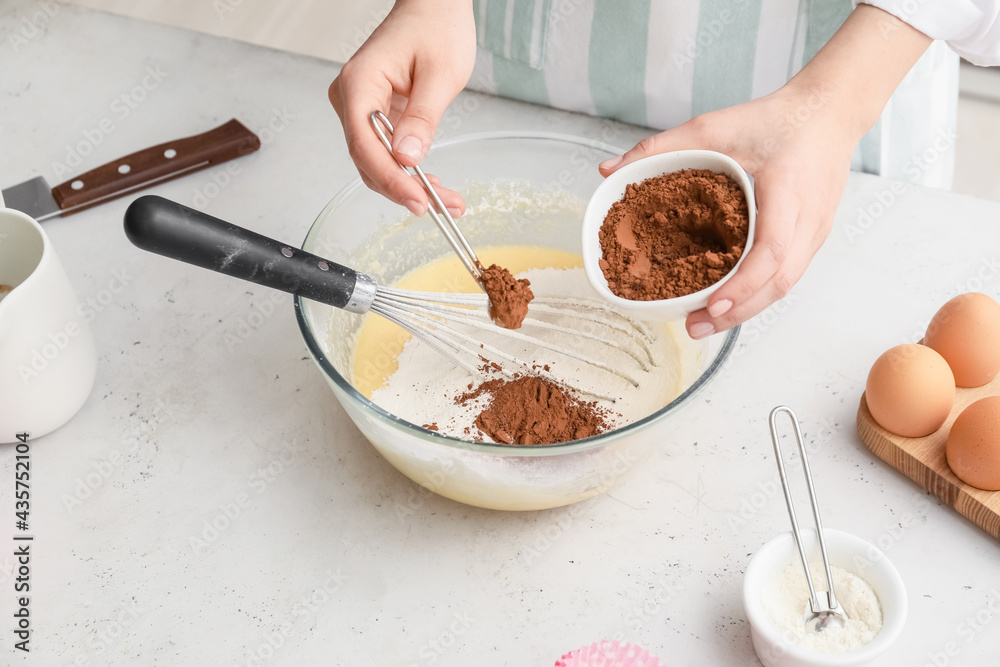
[786, 600]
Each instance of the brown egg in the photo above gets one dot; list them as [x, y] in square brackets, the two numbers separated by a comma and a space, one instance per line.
[973, 449]
[966, 332]
[910, 390]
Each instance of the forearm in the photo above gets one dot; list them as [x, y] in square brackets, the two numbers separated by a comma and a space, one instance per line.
[858, 70]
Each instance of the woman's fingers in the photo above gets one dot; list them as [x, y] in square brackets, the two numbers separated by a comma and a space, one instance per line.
[428, 98]
[796, 256]
[355, 98]
[693, 134]
[354, 102]
[451, 199]
[774, 231]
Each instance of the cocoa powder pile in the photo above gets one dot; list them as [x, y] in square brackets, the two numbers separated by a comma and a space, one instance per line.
[530, 410]
[673, 235]
[509, 297]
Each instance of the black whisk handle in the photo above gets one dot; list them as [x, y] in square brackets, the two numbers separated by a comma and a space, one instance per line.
[173, 230]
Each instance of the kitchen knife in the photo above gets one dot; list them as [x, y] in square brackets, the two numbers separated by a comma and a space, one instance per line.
[132, 172]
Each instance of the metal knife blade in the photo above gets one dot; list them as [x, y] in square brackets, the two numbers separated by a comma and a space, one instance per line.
[133, 172]
[33, 197]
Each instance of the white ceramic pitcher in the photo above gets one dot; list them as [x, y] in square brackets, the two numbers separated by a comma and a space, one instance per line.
[47, 355]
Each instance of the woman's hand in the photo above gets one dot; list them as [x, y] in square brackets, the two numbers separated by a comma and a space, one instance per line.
[797, 144]
[799, 160]
[411, 68]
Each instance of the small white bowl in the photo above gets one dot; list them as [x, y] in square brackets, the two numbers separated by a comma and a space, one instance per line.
[613, 189]
[847, 551]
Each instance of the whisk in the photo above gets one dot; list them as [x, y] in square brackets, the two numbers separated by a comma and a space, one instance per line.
[824, 611]
[455, 325]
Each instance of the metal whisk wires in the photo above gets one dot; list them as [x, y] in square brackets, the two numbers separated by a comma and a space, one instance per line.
[458, 327]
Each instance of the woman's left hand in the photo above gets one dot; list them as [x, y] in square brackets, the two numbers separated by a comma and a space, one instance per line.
[799, 156]
[797, 144]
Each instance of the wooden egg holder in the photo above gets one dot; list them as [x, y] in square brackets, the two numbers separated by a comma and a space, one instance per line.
[923, 460]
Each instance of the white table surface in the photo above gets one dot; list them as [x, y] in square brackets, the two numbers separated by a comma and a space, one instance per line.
[321, 566]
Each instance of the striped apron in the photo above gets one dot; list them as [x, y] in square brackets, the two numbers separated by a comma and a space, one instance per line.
[659, 63]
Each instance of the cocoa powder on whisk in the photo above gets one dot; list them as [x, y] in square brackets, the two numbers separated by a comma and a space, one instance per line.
[673, 235]
[509, 296]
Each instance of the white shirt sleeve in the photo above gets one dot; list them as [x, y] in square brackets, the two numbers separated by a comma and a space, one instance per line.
[970, 27]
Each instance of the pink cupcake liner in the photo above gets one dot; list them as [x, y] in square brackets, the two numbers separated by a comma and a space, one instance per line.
[608, 653]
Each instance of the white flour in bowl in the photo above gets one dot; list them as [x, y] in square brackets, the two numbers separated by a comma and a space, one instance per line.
[786, 600]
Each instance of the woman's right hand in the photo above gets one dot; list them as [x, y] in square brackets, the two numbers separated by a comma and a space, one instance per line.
[411, 68]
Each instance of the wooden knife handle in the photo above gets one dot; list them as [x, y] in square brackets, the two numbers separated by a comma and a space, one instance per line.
[157, 164]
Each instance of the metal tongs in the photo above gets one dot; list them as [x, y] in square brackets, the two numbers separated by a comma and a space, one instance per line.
[824, 610]
[383, 128]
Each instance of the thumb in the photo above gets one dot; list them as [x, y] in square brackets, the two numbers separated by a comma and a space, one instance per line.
[677, 139]
[416, 126]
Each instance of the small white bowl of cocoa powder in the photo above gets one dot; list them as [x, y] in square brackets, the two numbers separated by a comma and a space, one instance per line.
[661, 234]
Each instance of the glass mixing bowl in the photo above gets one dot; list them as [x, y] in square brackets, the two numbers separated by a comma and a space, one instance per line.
[521, 189]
